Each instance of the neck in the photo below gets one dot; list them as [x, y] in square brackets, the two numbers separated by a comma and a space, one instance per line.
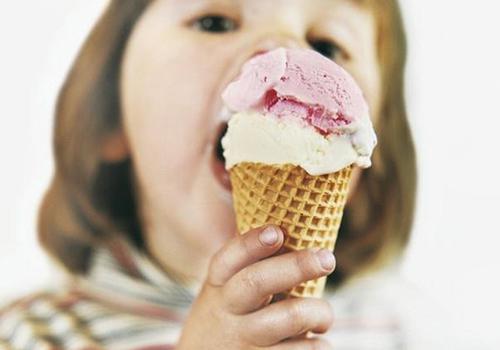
[186, 268]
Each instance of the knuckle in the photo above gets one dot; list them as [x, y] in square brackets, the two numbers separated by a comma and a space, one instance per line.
[253, 280]
[217, 264]
[323, 305]
[324, 312]
[246, 245]
[305, 264]
[295, 317]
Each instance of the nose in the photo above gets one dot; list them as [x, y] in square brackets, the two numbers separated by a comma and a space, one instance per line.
[286, 25]
[271, 41]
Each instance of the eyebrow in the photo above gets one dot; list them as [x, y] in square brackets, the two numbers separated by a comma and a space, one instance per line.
[359, 2]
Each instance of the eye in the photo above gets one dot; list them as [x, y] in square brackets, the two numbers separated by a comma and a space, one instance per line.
[215, 24]
[327, 48]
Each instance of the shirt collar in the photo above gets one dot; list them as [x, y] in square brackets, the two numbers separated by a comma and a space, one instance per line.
[122, 275]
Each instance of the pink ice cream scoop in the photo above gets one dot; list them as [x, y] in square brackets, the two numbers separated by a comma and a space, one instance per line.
[300, 83]
[295, 106]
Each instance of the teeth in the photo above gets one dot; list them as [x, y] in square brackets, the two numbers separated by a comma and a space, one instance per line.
[224, 114]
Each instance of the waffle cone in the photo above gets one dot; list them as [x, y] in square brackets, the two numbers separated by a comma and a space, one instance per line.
[308, 207]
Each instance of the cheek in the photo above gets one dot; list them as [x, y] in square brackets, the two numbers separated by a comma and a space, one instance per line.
[364, 63]
[155, 137]
[164, 103]
[367, 75]
[371, 87]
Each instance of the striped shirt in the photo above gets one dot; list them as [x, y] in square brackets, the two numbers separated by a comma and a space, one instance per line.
[127, 302]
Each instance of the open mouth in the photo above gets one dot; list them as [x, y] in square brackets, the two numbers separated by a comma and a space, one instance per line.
[218, 160]
[219, 150]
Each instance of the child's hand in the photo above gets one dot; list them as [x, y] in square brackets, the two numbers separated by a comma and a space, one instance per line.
[233, 310]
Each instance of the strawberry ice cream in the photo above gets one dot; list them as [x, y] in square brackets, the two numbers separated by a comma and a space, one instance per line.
[294, 106]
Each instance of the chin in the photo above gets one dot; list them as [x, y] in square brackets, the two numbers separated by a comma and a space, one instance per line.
[215, 194]
[222, 220]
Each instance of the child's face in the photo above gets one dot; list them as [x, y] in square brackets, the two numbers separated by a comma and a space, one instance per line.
[181, 55]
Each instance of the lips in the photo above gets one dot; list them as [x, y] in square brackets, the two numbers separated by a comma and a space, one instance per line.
[259, 52]
[217, 157]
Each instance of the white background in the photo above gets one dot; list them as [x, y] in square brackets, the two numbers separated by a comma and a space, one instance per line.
[453, 93]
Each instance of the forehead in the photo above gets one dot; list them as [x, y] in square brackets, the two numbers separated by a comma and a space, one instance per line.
[273, 8]
[273, 3]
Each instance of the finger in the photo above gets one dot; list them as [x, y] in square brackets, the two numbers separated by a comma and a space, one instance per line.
[287, 319]
[305, 344]
[246, 290]
[242, 251]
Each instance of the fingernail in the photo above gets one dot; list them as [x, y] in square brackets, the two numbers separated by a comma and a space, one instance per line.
[269, 236]
[326, 259]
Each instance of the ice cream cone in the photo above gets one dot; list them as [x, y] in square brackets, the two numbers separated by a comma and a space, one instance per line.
[308, 207]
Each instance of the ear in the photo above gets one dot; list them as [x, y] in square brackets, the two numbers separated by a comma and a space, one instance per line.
[114, 147]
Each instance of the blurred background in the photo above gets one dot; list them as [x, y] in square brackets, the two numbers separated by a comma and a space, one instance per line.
[453, 85]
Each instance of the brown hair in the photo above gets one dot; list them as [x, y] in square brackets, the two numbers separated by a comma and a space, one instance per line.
[377, 221]
[90, 201]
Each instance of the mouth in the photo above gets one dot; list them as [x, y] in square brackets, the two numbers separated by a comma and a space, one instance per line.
[218, 160]
[217, 157]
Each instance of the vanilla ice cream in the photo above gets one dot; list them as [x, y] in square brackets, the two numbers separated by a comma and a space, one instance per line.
[294, 106]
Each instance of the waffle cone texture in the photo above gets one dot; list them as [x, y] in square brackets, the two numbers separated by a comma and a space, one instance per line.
[308, 207]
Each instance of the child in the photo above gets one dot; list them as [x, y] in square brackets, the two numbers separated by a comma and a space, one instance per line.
[139, 209]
